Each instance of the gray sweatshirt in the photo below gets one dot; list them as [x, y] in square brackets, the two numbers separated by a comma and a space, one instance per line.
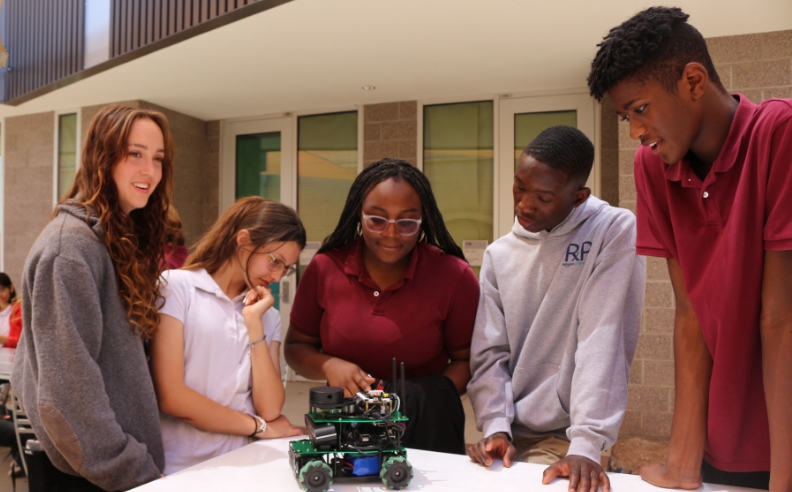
[557, 327]
[79, 371]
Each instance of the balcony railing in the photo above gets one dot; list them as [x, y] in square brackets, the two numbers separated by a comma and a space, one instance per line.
[137, 23]
[46, 39]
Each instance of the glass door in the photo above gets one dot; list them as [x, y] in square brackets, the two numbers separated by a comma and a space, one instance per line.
[258, 161]
[520, 121]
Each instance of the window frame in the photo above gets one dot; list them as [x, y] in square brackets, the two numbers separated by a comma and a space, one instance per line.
[502, 180]
[56, 148]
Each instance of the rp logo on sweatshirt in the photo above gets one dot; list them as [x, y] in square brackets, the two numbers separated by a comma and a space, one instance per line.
[576, 253]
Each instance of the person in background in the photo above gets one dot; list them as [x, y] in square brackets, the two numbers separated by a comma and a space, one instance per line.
[217, 381]
[175, 251]
[390, 282]
[10, 328]
[10, 313]
[89, 300]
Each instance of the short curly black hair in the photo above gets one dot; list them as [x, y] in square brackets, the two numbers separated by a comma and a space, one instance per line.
[655, 44]
[564, 148]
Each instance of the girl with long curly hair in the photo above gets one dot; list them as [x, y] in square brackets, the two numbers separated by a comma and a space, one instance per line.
[89, 300]
[214, 358]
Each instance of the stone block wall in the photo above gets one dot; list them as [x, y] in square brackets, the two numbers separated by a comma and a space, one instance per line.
[609, 153]
[760, 67]
[390, 130]
[29, 180]
[757, 65]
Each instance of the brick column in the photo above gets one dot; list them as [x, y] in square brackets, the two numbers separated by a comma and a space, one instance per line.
[651, 389]
[28, 194]
[609, 152]
[390, 130]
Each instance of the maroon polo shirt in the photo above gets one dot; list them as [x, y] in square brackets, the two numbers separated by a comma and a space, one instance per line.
[718, 230]
[419, 320]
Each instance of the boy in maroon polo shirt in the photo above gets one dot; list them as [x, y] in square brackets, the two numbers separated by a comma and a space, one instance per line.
[714, 181]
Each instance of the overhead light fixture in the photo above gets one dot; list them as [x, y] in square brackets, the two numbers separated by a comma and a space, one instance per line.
[368, 87]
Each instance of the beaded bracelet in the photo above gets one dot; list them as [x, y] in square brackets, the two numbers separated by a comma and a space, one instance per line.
[261, 425]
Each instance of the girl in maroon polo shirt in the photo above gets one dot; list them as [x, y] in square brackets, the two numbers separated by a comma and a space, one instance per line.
[391, 282]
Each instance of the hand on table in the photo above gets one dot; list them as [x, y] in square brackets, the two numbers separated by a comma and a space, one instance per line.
[497, 446]
[658, 474]
[280, 427]
[584, 474]
[350, 377]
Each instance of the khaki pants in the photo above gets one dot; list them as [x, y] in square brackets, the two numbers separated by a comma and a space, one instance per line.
[547, 450]
[544, 450]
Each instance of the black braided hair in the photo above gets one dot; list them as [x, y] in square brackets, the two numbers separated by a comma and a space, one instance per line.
[564, 148]
[654, 44]
[432, 225]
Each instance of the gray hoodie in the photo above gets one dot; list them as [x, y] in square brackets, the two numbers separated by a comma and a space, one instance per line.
[79, 371]
[557, 327]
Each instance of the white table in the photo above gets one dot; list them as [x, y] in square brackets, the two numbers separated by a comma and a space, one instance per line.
[6, 362]
[264, 466]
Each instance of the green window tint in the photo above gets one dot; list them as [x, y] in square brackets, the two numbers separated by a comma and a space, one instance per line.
[458, 160]
[258, 173]
[326, 166]
[67, 152]
[258, 165]
[528, 125]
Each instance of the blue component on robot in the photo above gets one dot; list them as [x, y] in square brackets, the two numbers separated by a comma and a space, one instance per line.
[364, 465]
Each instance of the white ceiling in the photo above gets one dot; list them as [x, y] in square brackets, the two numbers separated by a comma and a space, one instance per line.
[316, 54]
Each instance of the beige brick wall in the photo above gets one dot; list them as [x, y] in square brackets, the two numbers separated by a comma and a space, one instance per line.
[759, 66]
[609, 153]
[28, 193]
[196, 166]
[390, 130]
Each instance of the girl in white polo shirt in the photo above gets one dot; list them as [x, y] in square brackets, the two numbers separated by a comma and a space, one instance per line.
[217, 384]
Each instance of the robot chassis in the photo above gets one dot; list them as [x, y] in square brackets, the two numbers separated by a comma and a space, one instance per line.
[352, 439]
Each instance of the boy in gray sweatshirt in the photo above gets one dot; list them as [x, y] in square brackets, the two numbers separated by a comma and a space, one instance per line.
[558, 319]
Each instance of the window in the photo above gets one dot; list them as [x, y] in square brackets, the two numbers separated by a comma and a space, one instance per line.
[258, 165]
[458, 160]
[528, 125]
[327, 163]
[67, 153]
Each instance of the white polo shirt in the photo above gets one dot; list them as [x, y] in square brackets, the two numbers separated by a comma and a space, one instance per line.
[216, 361]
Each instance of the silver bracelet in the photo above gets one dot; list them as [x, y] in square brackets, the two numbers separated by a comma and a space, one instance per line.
[252, 344]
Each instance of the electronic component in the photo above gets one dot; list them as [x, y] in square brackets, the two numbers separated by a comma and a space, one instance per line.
[352, 438]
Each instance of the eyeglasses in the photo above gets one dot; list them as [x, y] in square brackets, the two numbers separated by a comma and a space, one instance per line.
[405, 227]
[276, 265]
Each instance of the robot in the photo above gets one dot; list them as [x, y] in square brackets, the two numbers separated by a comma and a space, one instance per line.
[352, 439]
